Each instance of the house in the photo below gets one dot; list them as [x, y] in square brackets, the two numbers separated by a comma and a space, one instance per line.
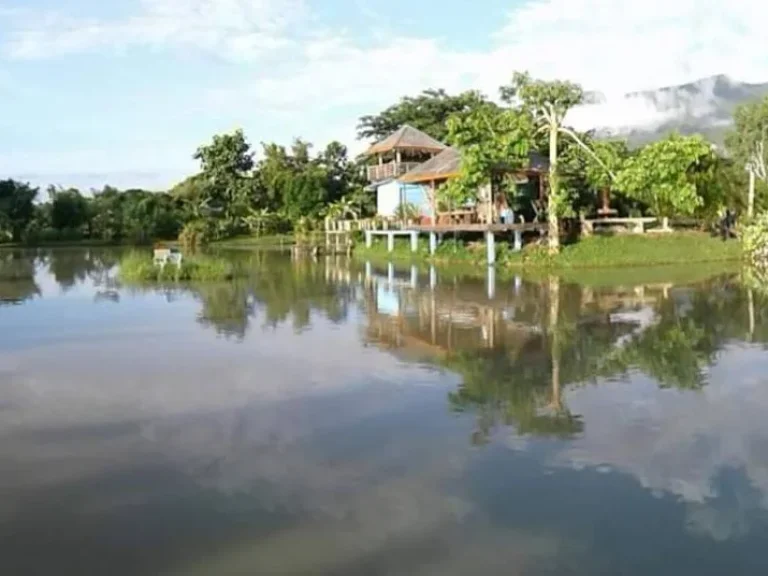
[396, 155]
[412, 166]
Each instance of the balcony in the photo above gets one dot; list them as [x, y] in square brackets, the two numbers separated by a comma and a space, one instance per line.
[380, 172]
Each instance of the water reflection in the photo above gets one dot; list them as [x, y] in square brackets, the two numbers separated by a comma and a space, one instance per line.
[338, 418]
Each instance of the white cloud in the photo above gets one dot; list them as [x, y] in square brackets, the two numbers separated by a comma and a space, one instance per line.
[319, 81]
[608, 45]
[238, 29]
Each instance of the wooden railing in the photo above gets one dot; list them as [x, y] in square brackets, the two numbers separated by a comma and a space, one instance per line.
[380, 172]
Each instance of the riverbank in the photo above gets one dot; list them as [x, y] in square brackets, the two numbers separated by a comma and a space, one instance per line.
[267, 241]
[595, 252]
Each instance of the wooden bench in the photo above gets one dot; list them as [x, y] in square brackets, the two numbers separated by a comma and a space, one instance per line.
[636, 225]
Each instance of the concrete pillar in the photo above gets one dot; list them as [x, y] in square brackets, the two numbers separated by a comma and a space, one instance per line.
[368, 270]
[368, 239]
[414, 241]
[390, 242]
[432, 243]
[518, 240]
[391, 274]
[490, 241]
[414, 277]
[491, 282]
[432, 277]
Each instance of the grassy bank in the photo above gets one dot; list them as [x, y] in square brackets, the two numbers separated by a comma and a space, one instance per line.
[269, 241]
[595, 252]
[139, 267]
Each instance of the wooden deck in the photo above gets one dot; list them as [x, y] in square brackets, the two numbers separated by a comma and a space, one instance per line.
[499, 228]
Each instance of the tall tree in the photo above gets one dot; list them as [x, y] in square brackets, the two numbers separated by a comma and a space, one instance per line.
[492, 141]
[428, 112]
[670, 175]
[548, 103]
[747, 143]
[17, 208]
[69, 209]
[226, 166]
[600, 174]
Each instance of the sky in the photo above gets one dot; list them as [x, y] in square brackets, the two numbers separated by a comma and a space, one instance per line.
[124, 91]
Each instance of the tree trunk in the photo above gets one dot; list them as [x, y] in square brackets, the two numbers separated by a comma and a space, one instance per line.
[554, 190]
[554, 341]
[751, 196]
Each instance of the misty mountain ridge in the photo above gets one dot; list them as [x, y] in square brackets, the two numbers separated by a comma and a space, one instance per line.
[703, 107]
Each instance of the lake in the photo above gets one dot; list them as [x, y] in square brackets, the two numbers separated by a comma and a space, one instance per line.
[334, 418]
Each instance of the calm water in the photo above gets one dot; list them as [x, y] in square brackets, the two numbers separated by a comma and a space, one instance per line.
[328, 419]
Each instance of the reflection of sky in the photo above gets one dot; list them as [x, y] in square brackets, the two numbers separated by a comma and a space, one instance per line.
[169, 450]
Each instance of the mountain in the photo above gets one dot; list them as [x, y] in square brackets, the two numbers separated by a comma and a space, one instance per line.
[705, 107]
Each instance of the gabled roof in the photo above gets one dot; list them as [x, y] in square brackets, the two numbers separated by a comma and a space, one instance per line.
[444, 165]
[406, 138]
[447, 164]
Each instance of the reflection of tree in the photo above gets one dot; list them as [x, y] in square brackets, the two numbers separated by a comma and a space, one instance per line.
[73, 266]
[17, 277]
[226, 307]
[283, 291]
[689, 332]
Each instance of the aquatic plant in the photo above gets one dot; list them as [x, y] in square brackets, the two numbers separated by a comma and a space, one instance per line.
[140, 267]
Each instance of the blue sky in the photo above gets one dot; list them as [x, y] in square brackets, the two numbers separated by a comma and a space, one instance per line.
[124, 91]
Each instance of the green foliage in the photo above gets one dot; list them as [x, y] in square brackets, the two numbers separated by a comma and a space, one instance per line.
[670, 176]
[407, 212]
[227, 183]
[428, 112]
[492, 142]
[197, 233]
[747, 141]
[140, 267]
[754, 240]
[548, 103]
[545, 101]
[611, 156]
[17, 209]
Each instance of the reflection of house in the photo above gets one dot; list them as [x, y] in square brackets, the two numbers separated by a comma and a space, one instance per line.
[412, 165]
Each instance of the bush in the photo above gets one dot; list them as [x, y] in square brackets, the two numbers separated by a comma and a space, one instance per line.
[754, 240]
[139, 267]
[196, 233]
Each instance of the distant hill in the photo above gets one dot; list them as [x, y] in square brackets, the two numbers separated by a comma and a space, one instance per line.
[705, 107]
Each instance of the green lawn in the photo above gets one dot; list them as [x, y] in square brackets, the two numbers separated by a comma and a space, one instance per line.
[593, 252]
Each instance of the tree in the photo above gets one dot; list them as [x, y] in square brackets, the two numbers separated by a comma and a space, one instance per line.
[747, 141]
[492, 142]
[226, 166]
[427, 112]
[669, 175]
[69, 210]
[548, 103]
[601, 169]
[17, 208]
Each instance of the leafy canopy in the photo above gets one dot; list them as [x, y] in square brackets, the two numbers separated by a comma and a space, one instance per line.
[428, 112]
[747, 142]
[669, 176]
[492, 141]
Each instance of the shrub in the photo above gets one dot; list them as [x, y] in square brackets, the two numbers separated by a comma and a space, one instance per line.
[138, 267]
[754, 240]
[196, 233]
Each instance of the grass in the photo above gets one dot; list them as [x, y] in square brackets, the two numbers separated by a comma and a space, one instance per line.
[594, 252]
[268, 241]
[139, 267]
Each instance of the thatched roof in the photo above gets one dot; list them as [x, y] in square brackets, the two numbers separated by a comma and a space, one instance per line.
[447, 165]
[406, 138]
[444, 165]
